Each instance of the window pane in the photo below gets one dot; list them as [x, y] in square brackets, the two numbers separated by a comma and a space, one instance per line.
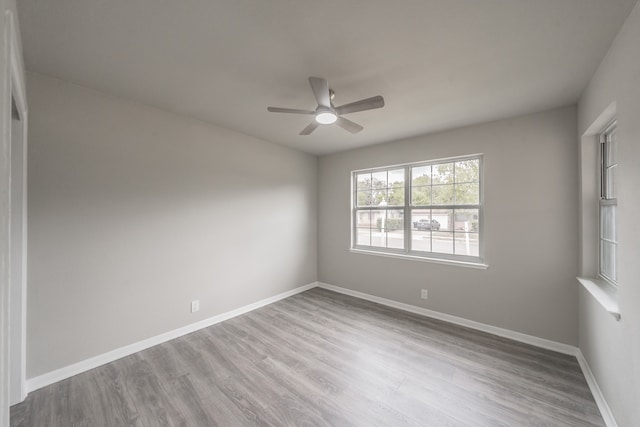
[443, 218]
[442, 194]
[468, 171]
[441, 236]
[608, 260]
[379, 197]
[442, 242]
[389, 220]
[422, 220]
[395, 239]
[421, 226]
[395, 196]
[363, 228]
[396, 178]
[466, 220]
[387, 227]
[467, 194]
[421, 175]
[365, 198]
[611, 192]
[363, 219]
[467, 244]
[379, 180]
[608, 222]
[378, 238]
[378, 234]
[363, 181]
[377, 219]
[363, 236]
[442, 173]
[421, 241]
[421, 195]
[612, 149]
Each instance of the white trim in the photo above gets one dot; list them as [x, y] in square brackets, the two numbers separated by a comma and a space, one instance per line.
[602, 120]
[110, 356]
[516, 336]
[468, 264]
[604, 293]
[420, 162]
[603, 406]
[16, 90]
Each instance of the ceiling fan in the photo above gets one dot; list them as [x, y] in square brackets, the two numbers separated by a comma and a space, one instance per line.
[326, 113]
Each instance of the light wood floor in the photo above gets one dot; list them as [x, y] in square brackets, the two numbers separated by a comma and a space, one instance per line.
[323, 359]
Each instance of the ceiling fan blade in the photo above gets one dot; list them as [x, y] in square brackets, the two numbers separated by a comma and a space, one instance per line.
[289, 110]
[364, 104]
[348, 125]
[320, 89]
[312, 126]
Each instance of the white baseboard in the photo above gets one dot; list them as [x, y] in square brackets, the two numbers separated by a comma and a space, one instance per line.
[110, 356]
[94, 362]
[516, 336]
[603, 406]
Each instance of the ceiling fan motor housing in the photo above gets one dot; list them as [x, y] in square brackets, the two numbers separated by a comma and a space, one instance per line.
[326, 113]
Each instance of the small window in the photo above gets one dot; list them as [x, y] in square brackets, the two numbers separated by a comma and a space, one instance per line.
[427, 209]
[608, 244]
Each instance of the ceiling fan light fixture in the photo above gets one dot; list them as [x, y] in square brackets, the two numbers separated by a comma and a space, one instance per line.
[326, 118]
[326, 113]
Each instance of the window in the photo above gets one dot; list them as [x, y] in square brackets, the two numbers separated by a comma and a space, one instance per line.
[427, 210]
[608, 204]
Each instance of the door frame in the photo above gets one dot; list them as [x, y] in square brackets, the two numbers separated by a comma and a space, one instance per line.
[16, 93]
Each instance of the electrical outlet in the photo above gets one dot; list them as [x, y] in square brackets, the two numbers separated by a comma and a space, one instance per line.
[195, 305]
[424, 294]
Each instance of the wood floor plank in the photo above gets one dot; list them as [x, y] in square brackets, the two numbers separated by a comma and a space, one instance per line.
[323, 359]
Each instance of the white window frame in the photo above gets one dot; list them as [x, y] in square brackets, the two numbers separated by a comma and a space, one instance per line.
[606, 199]
[407, 208]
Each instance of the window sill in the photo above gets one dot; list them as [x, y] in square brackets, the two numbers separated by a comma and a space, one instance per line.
[466, 264]
[604, 293]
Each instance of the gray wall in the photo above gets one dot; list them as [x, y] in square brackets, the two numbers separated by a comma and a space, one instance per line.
[134, 212]
[531, 242]
[612, 348]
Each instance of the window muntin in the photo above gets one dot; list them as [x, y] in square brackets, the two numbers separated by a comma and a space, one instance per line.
[608, 237]
[428, 209]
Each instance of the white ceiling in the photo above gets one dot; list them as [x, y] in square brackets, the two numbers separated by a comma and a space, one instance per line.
[439, 64]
